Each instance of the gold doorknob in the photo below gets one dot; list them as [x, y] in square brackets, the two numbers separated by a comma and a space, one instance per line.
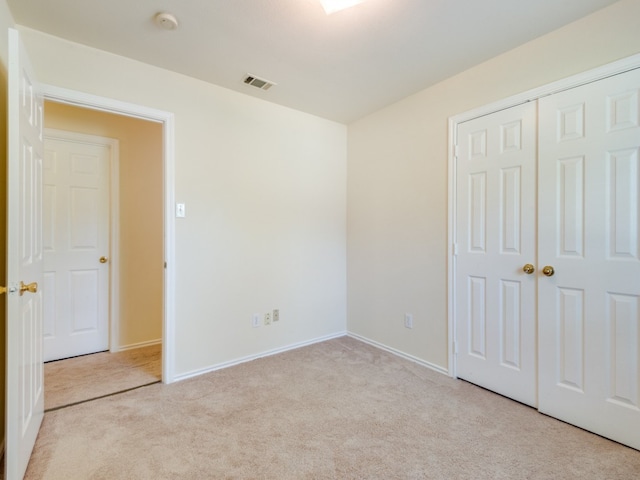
[104, 259]
[548, 271]
[3, 290]
[31, 288]
[528, 269]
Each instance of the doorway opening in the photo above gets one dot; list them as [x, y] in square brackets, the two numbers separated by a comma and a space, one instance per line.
[91, 219]
[146, 197]
[102, 238]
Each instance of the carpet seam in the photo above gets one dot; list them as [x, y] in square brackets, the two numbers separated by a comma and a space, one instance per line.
[53, 409]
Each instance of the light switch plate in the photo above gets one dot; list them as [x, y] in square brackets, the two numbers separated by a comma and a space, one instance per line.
[180, 210]
[408, 320]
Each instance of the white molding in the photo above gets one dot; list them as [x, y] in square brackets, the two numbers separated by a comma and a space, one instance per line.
[114, 287]
[590, 76]
[451, 240]
[103, 104]
[133, 346]
[249, 358]
[114, 220]
[398, 353]
[84, 100]
[169, 324]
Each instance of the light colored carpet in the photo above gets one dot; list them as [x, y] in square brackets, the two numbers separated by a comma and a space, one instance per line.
[336, 410]
[78, 379]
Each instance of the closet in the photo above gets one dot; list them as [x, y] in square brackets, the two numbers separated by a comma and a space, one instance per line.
[546, 262]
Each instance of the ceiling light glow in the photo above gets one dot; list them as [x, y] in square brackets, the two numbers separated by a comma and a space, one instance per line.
[332, 6]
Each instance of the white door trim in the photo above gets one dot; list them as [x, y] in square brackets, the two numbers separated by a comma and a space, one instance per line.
[114, 221]
[593, 75]
[84, 100]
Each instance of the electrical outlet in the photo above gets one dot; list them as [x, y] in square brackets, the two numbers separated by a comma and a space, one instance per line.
[276, 315]
[267, 319]
[255, 320]
[408, 320]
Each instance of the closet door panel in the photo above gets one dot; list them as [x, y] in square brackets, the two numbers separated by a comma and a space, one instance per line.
[495, 299]
[589, 340]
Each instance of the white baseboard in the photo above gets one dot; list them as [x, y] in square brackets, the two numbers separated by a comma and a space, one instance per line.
[137, 345]
[400, 354]
[248, 358]
[275, 351]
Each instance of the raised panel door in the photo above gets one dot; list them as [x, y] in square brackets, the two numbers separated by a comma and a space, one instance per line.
[76, 219]
[495, 235]
[25, 381]
[589, 209]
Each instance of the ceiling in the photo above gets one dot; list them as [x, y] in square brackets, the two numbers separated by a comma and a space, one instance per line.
[341, 66]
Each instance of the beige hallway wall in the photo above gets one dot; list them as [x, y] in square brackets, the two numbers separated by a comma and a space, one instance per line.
[141, 256]
[397, 179]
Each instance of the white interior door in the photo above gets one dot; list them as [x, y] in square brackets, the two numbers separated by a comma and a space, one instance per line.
[589, 312]
[495, 215]
[25, 388]
[76, 245]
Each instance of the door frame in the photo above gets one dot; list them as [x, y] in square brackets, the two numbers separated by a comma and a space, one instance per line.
[109, 105]
[593, 75]
[114, 219]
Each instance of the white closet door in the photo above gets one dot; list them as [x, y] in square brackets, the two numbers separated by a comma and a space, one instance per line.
[495, 227]
[589, 312]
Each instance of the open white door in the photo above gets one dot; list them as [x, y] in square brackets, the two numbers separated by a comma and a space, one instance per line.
[25, 386]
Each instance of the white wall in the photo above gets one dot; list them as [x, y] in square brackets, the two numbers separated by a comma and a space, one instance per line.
[265, 194]
[397, 179]
[6, 21]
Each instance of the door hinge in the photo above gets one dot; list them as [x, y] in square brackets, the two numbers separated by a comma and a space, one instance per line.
[455, 347]
[456, 149]
[165, 264]
[454, 249]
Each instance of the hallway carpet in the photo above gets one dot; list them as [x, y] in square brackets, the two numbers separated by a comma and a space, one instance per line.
[79, 379]
[340, 409]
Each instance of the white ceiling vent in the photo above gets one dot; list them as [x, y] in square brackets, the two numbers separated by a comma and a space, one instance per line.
[258, 82]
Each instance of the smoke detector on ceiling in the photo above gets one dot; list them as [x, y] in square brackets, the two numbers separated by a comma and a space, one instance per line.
[166, 20]
[258, 82]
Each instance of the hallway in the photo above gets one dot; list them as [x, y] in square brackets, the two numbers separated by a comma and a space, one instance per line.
[80, 379]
